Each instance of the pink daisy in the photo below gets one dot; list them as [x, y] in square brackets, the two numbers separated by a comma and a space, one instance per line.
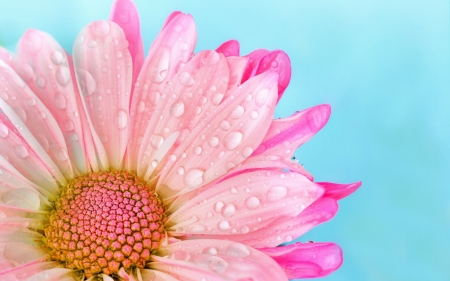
[170, 168]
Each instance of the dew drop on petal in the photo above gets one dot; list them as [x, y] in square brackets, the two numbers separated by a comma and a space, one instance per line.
[86, 82]
[232, 140]
[224, 125]
[56, 57]
[254, 115]
[213, 142]
[216, 98]
[186, 79]
[223, 225]
[61, 154]
[247, 151]
[156, 141]
[21, 198]
[276, 193]
[238, 250]
[154, 97]
[100, 28]
[237, 112]
[59, 101]
[63, 76]
[21, 113]
[20, 151]
[228, 210]
[288, 238]
[121, 119]
[40, 82]
[198, 228]
[197, 150]
[30, 101]
[261, 96]
[193, 178]
[68, 125]
[177, 109]
[252, 203]
[210, 250]
[180, 171]
[218, 206]
[217, 264]
[244, 229]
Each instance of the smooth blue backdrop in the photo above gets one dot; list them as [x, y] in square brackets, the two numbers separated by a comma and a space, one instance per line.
[382, 65]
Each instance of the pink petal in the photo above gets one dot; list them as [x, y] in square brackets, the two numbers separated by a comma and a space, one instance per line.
[253, 63]
[237, 67]
[51, 81]
[19, 158]
[6, 57]
[155, 275]
[54, 274]
[287, 134]
[229, 48]
[103, 68]
[279, 62]
[169, 52]
[193, 94]
[125, 14]
[26, 271]
[288, 228]
[339, 191]
[16, 255]
[310, 260]
[216, 260]
[35, 123]
[223, 139]
[170, 18]
[244, 203]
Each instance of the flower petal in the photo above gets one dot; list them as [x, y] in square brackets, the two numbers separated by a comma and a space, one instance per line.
[17, 254]
[103, 68]
[286, 228]
[35, 123]
[216, 260]
[237, 67]
[155, 275]
[54, 274]
[223, 139]
[310, 260]
[169, 52]
[244, 203]
[25, 271]
[338, 191]
[193, 94]
[17, 155]
[125, 14]
[229, 48]
[6, 56]
[253, 63]
[287, 134]
[47, 72]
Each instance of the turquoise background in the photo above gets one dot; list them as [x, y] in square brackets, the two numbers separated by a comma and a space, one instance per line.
[384, 68]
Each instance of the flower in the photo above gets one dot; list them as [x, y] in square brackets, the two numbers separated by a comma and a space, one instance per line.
[170, 168]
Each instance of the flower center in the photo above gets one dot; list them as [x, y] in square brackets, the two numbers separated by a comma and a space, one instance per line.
[104, 221]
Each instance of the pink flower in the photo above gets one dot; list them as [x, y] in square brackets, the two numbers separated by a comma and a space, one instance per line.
[168, 168]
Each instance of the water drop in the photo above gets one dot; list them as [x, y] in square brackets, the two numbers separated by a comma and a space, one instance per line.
[224, 125]
[177, 109]
[30, 101]
[40, 82]
[217, 264]
[121, 119]
[57, 57]
[186, 79]
[68, 125]
[193, 178]
[213, 142]
[63, 75]
[210, 250]
[244, 229]
[210, 58]
[216, 98]
[238, 250]
[262, 96]
[288, 238]
[59, 101]
[183, 46]
[61, 154]
[228, 210]
[156, 141]
[119, 55]
[154, 163]
[197, 150]
[21, 113]
[223, 225]
[218, 206]
[237, 112]
[180, 171]
[252, 203]
[247, 151]
[86, 82]
[232, 140]
[276, 193]
[254, 115]
[154, 97]
[20, 151]
[198, 228]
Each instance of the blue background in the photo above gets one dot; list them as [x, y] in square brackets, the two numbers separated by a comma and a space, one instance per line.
[384, 68]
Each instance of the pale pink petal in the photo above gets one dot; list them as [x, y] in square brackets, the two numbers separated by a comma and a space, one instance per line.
[35, 123]
[155, 275]
[237, 67]
[17, 155]
[20, 217]
[216, 260]
[170, 18]
[253, 62]
[244, 204]
[338, 191]
[279, 62]
[46, 70]
[223, 139]
[229, 48]
[16, 254]
[287, 134]
[193, 94]
[25, 271]
[169, 52]
[6, 56]
[20, 235]
[54, 274]
[287, 228]
[125, 14]
[104, 71]
[310, 260]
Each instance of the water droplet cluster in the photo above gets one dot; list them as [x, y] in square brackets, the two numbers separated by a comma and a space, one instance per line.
[104, 221]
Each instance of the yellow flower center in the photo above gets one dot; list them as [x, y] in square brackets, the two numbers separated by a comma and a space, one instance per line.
[104, 221]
